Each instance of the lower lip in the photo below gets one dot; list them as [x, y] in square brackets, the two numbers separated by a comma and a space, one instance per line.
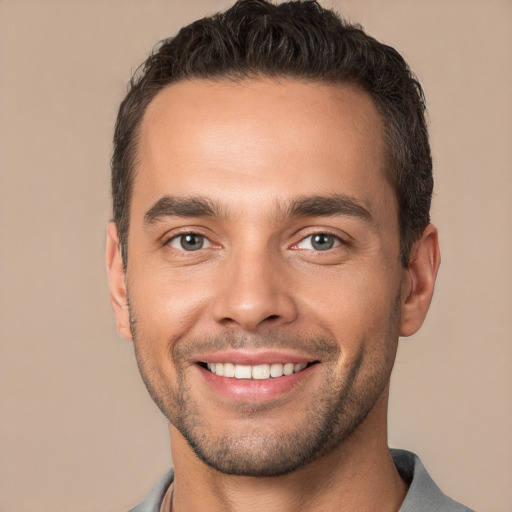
[254, 390]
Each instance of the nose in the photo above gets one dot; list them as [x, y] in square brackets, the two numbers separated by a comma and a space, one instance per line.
[254, 293]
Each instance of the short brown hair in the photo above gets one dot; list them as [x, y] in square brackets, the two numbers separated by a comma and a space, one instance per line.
[299, 40]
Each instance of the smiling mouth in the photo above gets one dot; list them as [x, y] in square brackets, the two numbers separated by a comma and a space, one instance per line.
[255, 372]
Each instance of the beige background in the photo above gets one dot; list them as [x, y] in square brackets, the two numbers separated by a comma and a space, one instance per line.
[78, 431]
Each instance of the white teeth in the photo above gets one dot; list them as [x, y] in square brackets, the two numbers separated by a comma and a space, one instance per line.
[242, 371]
[276, 370]
[219, 369]
[229, 370]
[257, 372]
[262, 371]
[288, 368]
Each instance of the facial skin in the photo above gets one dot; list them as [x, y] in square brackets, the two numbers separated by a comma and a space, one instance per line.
[294, 257]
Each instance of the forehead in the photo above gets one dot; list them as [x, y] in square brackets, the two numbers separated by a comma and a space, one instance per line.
[261, 138]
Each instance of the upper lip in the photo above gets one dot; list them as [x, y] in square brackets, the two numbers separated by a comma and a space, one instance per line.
[252, 358]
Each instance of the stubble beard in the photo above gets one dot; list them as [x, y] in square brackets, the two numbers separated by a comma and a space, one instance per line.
[335, 412]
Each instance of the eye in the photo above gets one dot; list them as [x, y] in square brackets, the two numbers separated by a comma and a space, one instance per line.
[189, 242]
[319, 242]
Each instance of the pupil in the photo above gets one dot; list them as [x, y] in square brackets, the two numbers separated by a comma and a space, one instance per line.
[191, 242]
[322, 241]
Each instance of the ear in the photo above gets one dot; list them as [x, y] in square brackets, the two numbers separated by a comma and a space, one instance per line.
[117, 282]
[419, 281]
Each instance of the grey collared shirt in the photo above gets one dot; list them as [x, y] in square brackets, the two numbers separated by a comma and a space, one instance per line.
[423, 494]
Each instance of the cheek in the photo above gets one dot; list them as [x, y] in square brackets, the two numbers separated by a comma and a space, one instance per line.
[354, 305]
[166, 303]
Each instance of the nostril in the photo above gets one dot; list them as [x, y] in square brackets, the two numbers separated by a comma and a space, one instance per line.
[272, 317]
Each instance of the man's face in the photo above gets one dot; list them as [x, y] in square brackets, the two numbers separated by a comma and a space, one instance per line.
[264, 240]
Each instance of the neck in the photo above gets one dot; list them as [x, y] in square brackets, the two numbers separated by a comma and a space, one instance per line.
[359, 474]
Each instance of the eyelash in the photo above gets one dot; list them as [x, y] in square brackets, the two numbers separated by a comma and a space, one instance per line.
[337, 241]
[178, 236]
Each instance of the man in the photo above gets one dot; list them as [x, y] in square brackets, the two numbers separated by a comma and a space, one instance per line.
[271, 181]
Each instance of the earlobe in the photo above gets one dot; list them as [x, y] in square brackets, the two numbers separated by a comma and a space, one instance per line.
[419, 281]
[117, 282]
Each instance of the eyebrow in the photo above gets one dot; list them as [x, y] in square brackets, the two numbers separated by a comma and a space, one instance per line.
[302, 206]
[327, 206]
[169, 206]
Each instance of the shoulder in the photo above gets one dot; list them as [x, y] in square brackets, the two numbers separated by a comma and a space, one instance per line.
[423, 495]
[155, 497]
